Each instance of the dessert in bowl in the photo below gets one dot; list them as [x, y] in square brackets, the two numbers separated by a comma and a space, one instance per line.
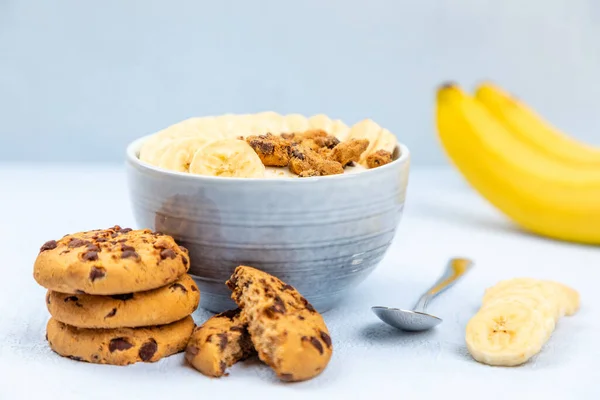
[309, 200]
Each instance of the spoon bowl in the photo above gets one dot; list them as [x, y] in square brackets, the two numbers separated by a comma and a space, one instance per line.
[417, 319]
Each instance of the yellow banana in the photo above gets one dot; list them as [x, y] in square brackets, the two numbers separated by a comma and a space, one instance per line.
[536, 192]
[531, 128]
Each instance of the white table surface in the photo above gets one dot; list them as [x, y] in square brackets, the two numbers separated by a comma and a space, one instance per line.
[442, 218]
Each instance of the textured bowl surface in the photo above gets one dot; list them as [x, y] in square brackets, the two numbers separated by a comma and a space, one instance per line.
[322, 235]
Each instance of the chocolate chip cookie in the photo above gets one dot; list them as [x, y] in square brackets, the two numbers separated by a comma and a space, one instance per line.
[110, 261]
[219, 343]
[153, 307]
[120, 346]
[288, 333]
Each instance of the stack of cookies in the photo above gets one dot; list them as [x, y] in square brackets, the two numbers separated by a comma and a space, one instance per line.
[272, 320]
[117, 296]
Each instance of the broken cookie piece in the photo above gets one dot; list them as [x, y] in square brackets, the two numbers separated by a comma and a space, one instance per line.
[303, 160]
[218, 344]
[287, 332]
[272, 150]
[348, 152]
[379, 158]
[313, 139]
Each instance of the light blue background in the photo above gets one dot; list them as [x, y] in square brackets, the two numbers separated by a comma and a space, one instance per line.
[80, 79]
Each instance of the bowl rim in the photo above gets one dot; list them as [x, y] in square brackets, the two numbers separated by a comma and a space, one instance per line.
[134, 146]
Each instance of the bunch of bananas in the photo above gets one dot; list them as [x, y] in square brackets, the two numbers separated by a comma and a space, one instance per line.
[543, 180]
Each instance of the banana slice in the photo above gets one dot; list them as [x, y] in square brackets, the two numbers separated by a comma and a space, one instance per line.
[241, 126]
[295, 123]
[365, 129]
[321, 121]
[269, 122]
[505, 334]
[153, 148]
[533, 299]
[179, 153]
[227, 158]
[568, 297]
[340, 130]
[202, 127]
[225, 124]
[550, 292]
[387, 141]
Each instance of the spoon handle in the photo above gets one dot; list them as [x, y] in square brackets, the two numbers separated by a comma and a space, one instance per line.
[456, 268]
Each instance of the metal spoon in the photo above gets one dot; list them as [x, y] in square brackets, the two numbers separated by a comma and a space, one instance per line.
[418, 319]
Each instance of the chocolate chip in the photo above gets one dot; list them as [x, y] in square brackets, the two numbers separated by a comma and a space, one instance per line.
[49, 245]
[75, 358]
[79, 291]
[315, 342]
[222, 340]
[192, 350]
[71, 298]
[237, 329]
[119, 344]
[124, 297]
[97, 273]
[287, 287]
[194, 288]
[95, 357]
[278, 305]
[101, 240]
[167, 253]
[297, 154]
[148, 349]
[307, 305]
[301, 318]
[183, 249]
[230, 314]
[114, 235]
[130, 254]
[116, 228]
[77, 243]
[90, 256]
[112, 313]
[326, 339]
[184, 260]
[263, 281]
[126, 230]
[178, 286]
[125, 247]
[286, 377]
[223, 366]
[262, 146]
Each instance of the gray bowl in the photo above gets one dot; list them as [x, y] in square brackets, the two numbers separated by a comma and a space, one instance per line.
[322, 235]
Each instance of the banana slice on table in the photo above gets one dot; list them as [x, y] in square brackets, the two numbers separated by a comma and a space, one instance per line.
[505, 334]
[366, 129]
[179, 153]
[531, 298]
[227, 158]
[568, 297]
[321, 121]
[549, 292]
[295, 123]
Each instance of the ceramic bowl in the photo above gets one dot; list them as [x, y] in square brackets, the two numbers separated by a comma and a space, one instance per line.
[322, 235]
